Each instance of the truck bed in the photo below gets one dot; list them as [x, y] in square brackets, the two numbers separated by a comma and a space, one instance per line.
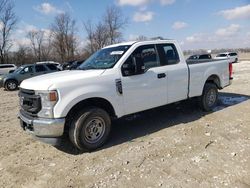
[200, 71]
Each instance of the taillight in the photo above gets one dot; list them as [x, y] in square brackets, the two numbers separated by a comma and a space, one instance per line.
[230, 70]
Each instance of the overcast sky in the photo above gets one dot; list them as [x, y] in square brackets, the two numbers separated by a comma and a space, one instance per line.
[195, 24]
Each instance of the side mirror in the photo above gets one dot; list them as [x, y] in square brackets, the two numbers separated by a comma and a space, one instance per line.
[133, 66]
[11, 71]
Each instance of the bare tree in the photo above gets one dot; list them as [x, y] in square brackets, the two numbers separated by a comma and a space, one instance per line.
[64, 36]
[36, 38]
[114, 21]
[141, 38]
[2, 4]
[101, 36]
[106, 32]
[8, 21]
[89, 28]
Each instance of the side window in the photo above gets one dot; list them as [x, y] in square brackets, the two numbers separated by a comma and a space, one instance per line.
[147, 55]
[168, 54]
[207, 56]
[27, 70]
[40, 68]
[51, 67]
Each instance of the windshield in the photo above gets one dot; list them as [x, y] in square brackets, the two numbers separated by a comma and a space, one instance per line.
[105, 58]
[18, 69]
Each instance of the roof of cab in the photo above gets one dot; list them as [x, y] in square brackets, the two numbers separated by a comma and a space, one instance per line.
[146, 42]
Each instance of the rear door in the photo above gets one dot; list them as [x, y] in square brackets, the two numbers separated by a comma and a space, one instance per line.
[147, 90]
[176, 71]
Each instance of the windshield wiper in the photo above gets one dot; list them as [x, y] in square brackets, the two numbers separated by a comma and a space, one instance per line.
[88, 67]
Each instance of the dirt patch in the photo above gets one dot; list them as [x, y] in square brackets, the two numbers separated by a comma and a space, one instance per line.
[173, 146]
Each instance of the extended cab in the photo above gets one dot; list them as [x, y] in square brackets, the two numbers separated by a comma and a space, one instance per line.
[115, 81]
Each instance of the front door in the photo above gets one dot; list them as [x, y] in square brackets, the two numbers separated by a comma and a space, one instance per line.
[27, 72]
[146, 90]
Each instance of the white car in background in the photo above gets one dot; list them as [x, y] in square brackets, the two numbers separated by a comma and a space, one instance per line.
[232, 56]
[6, 68]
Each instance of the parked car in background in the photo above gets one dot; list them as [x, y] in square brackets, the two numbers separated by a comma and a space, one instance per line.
[72, 65]
[58, 65]
[232, 56]
[199, 58]
[6, 68]
[11, 81]
[76, 64]
[67, 65]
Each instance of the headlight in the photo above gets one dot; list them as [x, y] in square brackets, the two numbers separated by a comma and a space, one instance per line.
[48, 101]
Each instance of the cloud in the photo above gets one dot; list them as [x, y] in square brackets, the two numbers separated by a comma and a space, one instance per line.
[229, 31]
[133, 2]
[143, 2]
[143, 16]
[179, 25]
[47, 8]
[197, 37]
[242, 12]
[221, 34]
[167, 2]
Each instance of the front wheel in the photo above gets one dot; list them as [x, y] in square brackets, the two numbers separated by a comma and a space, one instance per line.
[90, 129]
[209, 97]
[11, 85]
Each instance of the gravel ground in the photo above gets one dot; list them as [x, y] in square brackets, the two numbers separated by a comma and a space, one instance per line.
[173, 146]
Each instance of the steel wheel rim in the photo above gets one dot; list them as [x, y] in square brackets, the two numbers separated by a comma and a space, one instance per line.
[94, 130]
[211, 97]
[11, 85]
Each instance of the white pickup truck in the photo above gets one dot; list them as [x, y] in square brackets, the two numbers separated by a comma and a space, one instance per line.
[116, 81]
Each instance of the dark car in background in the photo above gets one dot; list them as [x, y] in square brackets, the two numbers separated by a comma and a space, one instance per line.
[199, 58]
[11, 81]
[72, 65]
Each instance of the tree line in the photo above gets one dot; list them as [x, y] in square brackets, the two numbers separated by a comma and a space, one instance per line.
[60, 41]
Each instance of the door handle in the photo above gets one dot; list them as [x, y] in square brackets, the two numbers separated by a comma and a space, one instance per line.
[161, 75]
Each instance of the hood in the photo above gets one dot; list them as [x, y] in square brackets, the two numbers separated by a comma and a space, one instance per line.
[45, 82]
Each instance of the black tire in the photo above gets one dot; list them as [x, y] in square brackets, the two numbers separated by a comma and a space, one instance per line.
[209, 97]
[11, 85]
[88, 124]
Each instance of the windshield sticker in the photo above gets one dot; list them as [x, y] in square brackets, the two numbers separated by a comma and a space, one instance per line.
[117, 53]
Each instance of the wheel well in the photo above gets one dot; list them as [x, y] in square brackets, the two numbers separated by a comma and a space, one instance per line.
[12, 79]
[214, 79]
[97, 102]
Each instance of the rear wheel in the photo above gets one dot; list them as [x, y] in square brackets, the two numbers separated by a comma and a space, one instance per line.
[90, 129]
[11, 85]
[209, 97]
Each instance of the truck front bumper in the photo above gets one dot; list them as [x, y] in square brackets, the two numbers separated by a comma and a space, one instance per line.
[45, 128]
